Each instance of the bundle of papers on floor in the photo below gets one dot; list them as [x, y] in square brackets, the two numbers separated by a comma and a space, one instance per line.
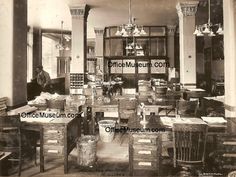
[3, 106]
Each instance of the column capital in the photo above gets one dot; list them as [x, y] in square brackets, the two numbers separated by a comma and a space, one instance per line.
[99, 31]
[188, 8]
[171, 30]
[79, 11]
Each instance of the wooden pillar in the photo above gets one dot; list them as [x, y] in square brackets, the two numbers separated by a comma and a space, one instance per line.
[229, 10]
[13, 51]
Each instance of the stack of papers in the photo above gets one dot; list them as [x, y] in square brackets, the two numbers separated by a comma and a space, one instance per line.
[169, 121]
[214, 120]
[196, 90]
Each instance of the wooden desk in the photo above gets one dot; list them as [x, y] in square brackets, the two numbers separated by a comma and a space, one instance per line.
[194, 93]
[58, 136]
[213, 106]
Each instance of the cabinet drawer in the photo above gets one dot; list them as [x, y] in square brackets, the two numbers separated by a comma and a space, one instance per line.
[53, 150]
[150, 153]
[145, 140]
[145, 165]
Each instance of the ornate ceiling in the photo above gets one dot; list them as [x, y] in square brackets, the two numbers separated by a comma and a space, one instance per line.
[50, 13]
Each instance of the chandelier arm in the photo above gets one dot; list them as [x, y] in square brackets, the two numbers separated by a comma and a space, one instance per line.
[209, 12]
[130, 20]
[61, 32]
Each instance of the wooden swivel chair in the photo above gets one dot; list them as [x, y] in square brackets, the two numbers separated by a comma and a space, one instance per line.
[189, 146]
[10, 138]
[127, 108]
[187, 108]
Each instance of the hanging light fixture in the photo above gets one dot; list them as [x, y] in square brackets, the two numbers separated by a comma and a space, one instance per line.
[61, 45]
[207, 28]
[131, 30]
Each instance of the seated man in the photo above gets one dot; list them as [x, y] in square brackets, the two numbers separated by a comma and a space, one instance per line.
[43, 79]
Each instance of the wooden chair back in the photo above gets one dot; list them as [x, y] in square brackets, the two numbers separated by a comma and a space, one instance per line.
[189, 143]
[10, 137]
[187, 108]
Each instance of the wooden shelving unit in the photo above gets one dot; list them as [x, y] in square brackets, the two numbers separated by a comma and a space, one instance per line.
[154, 55]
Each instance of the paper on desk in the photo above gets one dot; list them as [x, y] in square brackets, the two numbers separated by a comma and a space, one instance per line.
[23, 109]
[41, 120]
[111, 114]
[212, 120]
[196, 89]
[167, 121]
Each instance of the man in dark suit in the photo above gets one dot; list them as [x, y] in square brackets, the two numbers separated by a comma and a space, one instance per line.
[43, 79]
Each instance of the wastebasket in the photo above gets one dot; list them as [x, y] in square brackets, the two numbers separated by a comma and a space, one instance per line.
[107, 130]
[87, 147]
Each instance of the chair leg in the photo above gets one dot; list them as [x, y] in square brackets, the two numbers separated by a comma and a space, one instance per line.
[123, 133]
[20, 165]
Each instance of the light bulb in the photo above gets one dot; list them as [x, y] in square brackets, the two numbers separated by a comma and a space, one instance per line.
[142, 32]
[125, 34]
[123, 30]
[137, 47]
[220, 30]
[196, 31]
[136, 30]
[211, 34]
[118, 33]
[200, 33]
[206, 30]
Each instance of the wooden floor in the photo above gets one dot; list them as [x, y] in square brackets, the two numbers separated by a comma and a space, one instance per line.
[112, 160]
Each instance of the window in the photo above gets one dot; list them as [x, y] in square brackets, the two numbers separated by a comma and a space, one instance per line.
[49, 56]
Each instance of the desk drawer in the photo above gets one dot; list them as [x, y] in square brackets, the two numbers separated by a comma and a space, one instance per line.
[145, 140]
[148, 153]
[53, 150]
[53, 130]
[53, 140]
[145, 165]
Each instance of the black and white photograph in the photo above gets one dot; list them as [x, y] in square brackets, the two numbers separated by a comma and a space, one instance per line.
[101, 88]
